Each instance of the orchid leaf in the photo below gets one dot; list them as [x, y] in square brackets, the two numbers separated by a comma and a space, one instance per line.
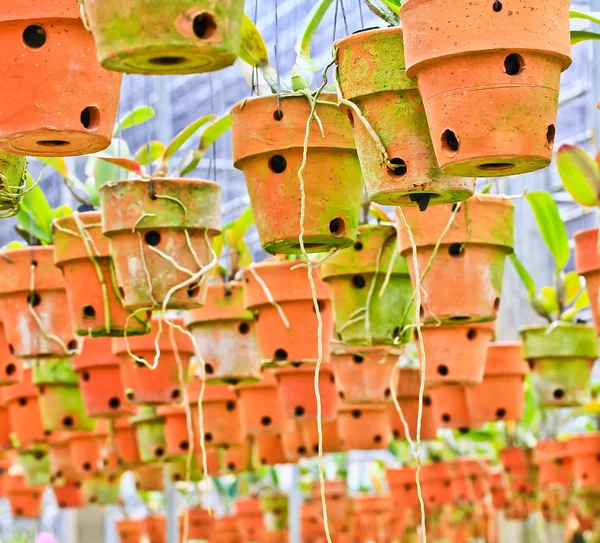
[241, 225]
[253, 51]
[57, 163]
[180, 139]
[379, 214]
[125, 163]
[580, 174]
[593, 16]
[572, 286]
[523, 274]
[211, 134]
[547, 300]
[133, 118]
[62, 211]
[578, 36]
[384, 11]
[149, 152]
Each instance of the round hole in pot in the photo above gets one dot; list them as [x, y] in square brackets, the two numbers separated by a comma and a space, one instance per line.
[446, 418]
[47, 432]
[10, 369]
[114, 403]
[315, 449]
[341, 395]
[121, 292]
[264, 461]
[399, 168]
[93, 499]
[158, 452]
[18, 512]
[337, 227]
[296, 364]
[87, 466]
[166, 61]
[497, 6]
[471, 334]
[177, 477]
[42, 390]
[358, 359]
[38, 455]
[299, 411]
[513, 64]
[377, 438]
[500, 413]
[550, 133]
[266, 421]
[278, 115]
[358, 246]
[85, 376]
[443, 370]
[302, 450]
[33, 299]
[152, 238]
[496, 166]
[277, 164]
[230, 405]
[175, 394]
[350, 118]
[450, 142]
[244, 328]
[396, 434]
[204, 26]
[456, 249]
[231, 466]
[496, 304]
[90, 117]
[427, 401]
[559, 461]
[463, 430]
[208, 437]
[34, 36]
[193, 290]
[11, 349]
[281, 355]
[387, 393]
[22, 402]
[356, 413]
[88, 312]
[129, 395]
[531, 364]
[52, 143]
[558, 394]
[358, 281]
[68, 422]
[184, 445]
[209, 369]
[321, 306]
[141, 363]
[72, 345]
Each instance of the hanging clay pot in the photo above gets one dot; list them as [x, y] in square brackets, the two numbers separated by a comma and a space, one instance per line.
[479, 239]
[25, 501]
[561, 358]
[555, 463]
[125, 442]
[35, 463]
[282, 301]
[456, 355]
[156, 527]
[150, 434]
[149, 478]
[67, 104]
[225, 333]
[83, 255]
[22, 403]
[587, 264]
[373, 516]
[85, 454]
[225, 531]
[249, 518]
[12, 183]
[261, 410]
[178, 470]
[584, 450]
[363, 427]
[146, 223]
[131, 531]
[330, 436]
[144, 385]
[408, 387]
[436, 484]
[470, 482]
[101, 489]
[268, 143]
[499, 490]
[335, 498]
[450, 407]
[61, 403]
[364, 374]
[311, 526]
[269, 449]
[516, 461]
[11, 368]
[372, 74]
[61, 463]
[200, 523]
[178, 437]
[221, 417]
[297, 391]
[293, 442]
[5, 428]
[350, 274]
[69, 496]
[403, 487]
[501, 73]
[237, 458]
[501, 394]
[280, 536]
[213, 467]
[34, 294]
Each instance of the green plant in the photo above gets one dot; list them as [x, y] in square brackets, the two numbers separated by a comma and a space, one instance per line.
[232, 239]
[228, 490]
[580, 174]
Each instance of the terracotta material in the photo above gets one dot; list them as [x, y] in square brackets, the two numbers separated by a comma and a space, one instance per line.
[450, 407]
[275, 507]
[516, 460]
[561, 362]
[311, 526]
[350, 274]
[48, 300]
[372, 74]
[137, 243]
[374, 516]
[363, 427]
[249, 518]
[268, 145]
[156, 527]
[162, 384]
[131, 530]
[61, 464]
[25, 501]
[499, 490]
[436, 484]
[403, 486]
[587, 264]
[501, 395]
[269, 449]
[335, 498]
[149, 478]
[212, 460]
[178, 437]
[261, 410]
[200, 523]
[237, 458]
[11, 368]
[225, 333]
[126, 442]
[71, 101]
[5, 429]
[35, 465]
[68, 496]
[293, 442]
[150, 434]
[310, 436]
[221, 417]
[470, 482]
[555, 463]
[101, 489]
[84, 449]
[225, 531]
[502, 60]
[585, 453]
[470, 259]
[178, 471]
[83, 255]
[297, 392]
[22, 403]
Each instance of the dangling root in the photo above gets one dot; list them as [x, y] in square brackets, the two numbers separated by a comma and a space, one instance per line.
[269, 296]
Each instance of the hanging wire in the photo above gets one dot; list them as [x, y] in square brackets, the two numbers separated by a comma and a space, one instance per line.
[213, 160]
[344, 17]
[335, 18]
[360, 11]
[255, 77]
[148, 130]
[277, 61]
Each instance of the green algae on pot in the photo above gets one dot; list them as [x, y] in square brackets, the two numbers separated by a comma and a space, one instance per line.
[60, 399]
[101, 489]
[275, 509]
[372, 75]
[561, 357]
[177, 470]
[12, 183]
[36, 465]
[150, 434]
[174, 37]
[366, 313]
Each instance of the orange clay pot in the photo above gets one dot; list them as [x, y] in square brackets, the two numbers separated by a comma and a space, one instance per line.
[149, 478]
[161, 385]
[225, 531]
[221, 417]
[587, 264]
[372, 74]
[125, 442]
[61, 464]
[260, 406]
[86, 450]
[156, 527]
[408, 398]
[311, 526]
[69, 104]
[500, 490]
[584, 450]
[456, 354]
[501, 394]
[310, 436]
[150, 434]
[177, 435]
[237, 458]
[200, 523]
[470, 479]
[502, 60]
[363, 374]
[374, 517]
[279, 536]
[297, 392]
[471, 258]
[225, 332]
[69, 496]
[11, 368]
[249, 518]
[335, 497]
[48, 299]
[436, 484]
[268, 143]
[269, 449]
[212, 460]
[450, 407]
[293, 442]
[403, 487]
[24, 415]
[555, 464]
[516, 461]
[131, 531]
[5, 428]
[363, 427]
[25, 501]
[145, 275]
[83, 255]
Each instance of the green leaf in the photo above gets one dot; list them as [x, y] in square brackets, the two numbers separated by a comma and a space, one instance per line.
[253, 49]
[590, 409]
[90, 187]
[523, 274]
[572, 286]
[180, 139]
[582, 302]
[211, 134]
[36, 213]
[32, 228]
[577, 36]
[394, 5]
[580, 174]
[57, 163]
[241, 225]
[593, 16]
[379, 214]
[62, 211]
[12, 245]
[551, 227]
[103, 172]
[218, 244]
[125, 163]
[384, 11]
[136, 116]
[548, 300]
[149, 152]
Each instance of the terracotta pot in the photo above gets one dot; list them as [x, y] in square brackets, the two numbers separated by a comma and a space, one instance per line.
[11, 368]
[364, 426]
[260, 407]
[35, 464]
[225, 531]
[373, 75]
[436, 484]
[249, 518]
[561, 360]
[83, 255]
[68, 496]
[237, 458]
[587, 264]
[84, 449]
[178, 437]
[311, 526]
[403, 488]
[179, 471]
[101, 489]
[138, 245]
[61, 463]
[374, 517]
[5, 428]
[480, 238]
[335, 498]
[149, 478]
[144, 385]
[470, 483]
[212, 460]
[501, 394]
[310, 436]
[47, 299]
[131, 530]
[268, 143]
[275, 508]
[279, 343]
[517, 461]
[279, 536]
[409, 380]
[500, 490]
[450, 407]
[225, 332]
[22, 403]
[501, 60]
[297, 392]
[60, 400]
[584, 450]
[156, 527]
[221, 417]
[150, 434]
[555, 463]
[12, 182]
[293, 442]
[200, 524]
[71, 102]
[269, 449]
[350, 274]
[25, 501]
[125, 442]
